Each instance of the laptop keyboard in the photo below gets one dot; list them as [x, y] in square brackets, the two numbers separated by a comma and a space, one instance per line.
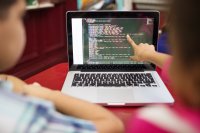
[113, 80]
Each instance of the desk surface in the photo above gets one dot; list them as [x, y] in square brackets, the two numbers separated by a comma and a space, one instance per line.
[54, 77]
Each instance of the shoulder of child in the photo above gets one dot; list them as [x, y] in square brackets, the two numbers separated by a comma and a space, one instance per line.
[159, 118]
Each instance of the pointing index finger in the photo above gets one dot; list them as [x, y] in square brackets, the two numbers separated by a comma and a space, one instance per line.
[133, 44]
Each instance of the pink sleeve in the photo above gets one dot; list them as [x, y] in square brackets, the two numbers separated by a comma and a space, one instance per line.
[137, 125]
[165, 71]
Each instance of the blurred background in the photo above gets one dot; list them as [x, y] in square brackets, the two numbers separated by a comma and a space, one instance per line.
[45, 25]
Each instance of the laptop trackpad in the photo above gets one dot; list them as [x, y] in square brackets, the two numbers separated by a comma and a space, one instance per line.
[113, 95]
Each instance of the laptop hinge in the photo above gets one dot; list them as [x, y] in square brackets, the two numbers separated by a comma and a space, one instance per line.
[97, 70]
[113, 68]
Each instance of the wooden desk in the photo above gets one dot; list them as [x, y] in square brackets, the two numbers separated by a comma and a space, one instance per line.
[54, 77]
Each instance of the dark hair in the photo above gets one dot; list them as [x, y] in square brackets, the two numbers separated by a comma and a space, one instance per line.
[184, 21]
[184, 29]
[4, 6]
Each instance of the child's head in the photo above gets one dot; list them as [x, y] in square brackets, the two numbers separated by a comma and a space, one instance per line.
[184, 29]
[12, 35]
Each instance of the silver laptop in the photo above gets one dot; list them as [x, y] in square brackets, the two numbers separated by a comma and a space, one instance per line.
[100, 70]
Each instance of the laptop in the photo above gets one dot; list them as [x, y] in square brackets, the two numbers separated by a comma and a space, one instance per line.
[100, 70]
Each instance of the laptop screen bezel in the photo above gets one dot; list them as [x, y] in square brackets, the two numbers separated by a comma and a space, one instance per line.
[108, 14]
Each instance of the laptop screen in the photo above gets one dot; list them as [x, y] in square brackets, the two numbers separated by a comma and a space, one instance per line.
[103, 40]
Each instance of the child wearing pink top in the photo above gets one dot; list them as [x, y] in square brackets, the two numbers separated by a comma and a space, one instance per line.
[181, 73]
[163, 118]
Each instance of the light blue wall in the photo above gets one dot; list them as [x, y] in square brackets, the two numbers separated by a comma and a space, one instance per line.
[79, 3]
[120, 4]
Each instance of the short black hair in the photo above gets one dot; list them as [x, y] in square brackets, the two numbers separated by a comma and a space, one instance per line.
[4, 7]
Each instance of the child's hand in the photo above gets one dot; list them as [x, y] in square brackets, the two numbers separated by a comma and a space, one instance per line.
[20, 86]
[36, 90]
[142, 52]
